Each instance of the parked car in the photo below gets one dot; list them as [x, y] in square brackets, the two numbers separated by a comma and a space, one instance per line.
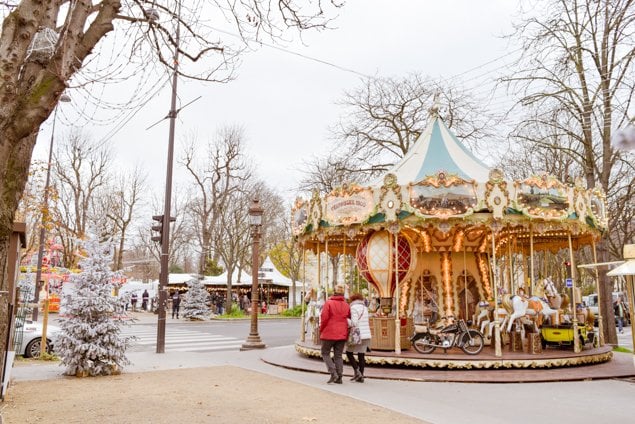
[32, 337]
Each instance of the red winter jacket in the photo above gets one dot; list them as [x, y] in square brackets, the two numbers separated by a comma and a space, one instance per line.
[334, 319]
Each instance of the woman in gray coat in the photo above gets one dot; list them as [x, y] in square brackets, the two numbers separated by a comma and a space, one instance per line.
[359, 319]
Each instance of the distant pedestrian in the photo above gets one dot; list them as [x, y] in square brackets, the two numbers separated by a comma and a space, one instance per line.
[618, 308]
[359, 319]
[144, 300]
[245, 303]
[176, 302]
[133, 301]
[334, 332]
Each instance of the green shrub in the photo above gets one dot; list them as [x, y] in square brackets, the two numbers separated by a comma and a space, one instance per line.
[293, 312]
[48, 357]
[236, 312]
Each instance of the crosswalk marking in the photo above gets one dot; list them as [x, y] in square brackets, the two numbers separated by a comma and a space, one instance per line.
[179, 340]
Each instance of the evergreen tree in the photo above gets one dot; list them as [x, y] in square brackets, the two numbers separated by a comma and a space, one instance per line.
[195, 306]
[90, 342]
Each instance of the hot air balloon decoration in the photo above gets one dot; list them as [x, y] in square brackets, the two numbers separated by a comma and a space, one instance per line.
[378, 264]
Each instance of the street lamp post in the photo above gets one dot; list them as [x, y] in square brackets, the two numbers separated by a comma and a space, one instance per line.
[255, 220]
[40, 254]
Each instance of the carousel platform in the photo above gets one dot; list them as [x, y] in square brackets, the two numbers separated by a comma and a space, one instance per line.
[455, 366]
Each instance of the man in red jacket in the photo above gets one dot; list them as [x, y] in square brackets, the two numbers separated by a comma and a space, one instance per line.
[334, 332]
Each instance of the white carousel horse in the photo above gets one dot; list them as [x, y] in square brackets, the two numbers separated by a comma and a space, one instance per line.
[489, 325]
[538, 306]
[533, 307]
[551, 293]
[483, 313]
[516, 306]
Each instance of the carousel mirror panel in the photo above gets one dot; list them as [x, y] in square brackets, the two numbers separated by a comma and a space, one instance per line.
[443, 201]
[543, 197]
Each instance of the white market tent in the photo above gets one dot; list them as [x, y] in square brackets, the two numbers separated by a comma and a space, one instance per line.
[268, 277]
[268, 274]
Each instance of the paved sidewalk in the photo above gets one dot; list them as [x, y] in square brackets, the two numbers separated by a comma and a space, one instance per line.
[434, 402]
[428, 401]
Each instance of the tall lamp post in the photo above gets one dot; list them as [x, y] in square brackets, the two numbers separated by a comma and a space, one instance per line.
[166, 218]
[255, 221]
[40, 252]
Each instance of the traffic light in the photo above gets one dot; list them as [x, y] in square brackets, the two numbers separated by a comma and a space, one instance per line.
[159, 228]
[567, 264]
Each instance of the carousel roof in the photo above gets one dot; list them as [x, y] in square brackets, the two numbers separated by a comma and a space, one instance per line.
[438, 149]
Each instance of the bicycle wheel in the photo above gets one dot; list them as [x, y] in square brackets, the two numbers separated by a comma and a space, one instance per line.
[472, 342]
[424, 344]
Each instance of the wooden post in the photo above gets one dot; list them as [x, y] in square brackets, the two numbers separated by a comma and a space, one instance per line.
[576, 340]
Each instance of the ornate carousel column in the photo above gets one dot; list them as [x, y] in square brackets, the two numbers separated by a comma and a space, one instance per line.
[498, 351]
[397, 302]
[576, 339]
[304, 294]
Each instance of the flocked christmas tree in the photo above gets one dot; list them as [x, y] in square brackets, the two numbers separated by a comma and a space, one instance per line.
[90, 342]
[195, 304]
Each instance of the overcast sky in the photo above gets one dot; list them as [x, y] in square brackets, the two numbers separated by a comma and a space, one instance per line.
[286, 103]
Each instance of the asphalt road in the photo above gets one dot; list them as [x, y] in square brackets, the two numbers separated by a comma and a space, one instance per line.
[209, 336]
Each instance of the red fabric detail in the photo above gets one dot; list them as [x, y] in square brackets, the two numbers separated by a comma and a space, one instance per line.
[333, 319]
[362, 262]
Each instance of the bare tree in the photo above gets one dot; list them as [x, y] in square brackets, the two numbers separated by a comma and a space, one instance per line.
[80, 176]
[232, 237]
[41, 59]
[576, 82]
[286, 255]
[217, 175]
[121, 207]
[180, 232]
[326, 174]
[31, 209]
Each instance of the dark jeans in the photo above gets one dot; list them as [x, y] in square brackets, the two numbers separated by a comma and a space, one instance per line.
[175, 310]
[334, 365]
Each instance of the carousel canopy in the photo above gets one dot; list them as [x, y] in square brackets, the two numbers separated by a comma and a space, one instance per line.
[438, 149]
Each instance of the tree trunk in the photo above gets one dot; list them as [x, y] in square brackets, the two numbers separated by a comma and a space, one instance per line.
[606, 294]
[228, 294]
[14, 169]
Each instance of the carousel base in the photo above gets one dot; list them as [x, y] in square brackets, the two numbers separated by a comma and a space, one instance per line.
[455, 359]
[553, 365]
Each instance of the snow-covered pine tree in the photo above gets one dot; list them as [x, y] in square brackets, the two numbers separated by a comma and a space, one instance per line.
[90, 342]
[195, 306]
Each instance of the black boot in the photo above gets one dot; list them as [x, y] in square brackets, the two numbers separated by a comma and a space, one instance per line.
[353, 362]
[338, 380]
[362, 364]
[333, 379]
[357, 375]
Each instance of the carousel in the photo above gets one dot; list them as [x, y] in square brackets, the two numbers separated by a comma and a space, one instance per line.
[441, 238]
